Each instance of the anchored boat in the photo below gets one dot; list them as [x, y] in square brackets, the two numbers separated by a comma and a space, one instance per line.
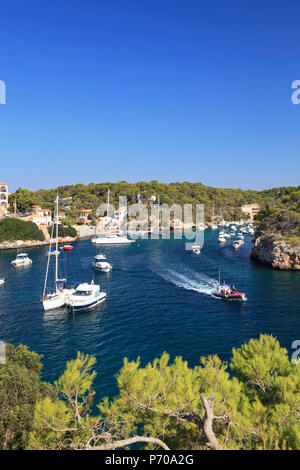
[56, 299]
[22, 259]
[85, 296]
[101, 264]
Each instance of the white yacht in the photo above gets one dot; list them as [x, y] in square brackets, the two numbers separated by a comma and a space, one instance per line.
[85, 296]
[112, 239]
[237, 244]
[22, 259]
[101, 264]
[214, 226]
[222, 239]
[57, 298]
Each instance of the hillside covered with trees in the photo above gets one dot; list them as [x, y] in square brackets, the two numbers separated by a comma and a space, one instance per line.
[221, 200]
[281, 220]
[15, 229]
[252, 403]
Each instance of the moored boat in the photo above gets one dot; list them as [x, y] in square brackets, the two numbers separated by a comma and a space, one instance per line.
[101, 264]
[57, 299]
[22, 259]
[85, 296]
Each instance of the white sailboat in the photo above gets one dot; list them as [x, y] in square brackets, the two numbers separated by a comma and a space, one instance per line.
[111, 238]
[56, 299]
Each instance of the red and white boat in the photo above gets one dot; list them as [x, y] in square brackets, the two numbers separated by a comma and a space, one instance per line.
[224, 291]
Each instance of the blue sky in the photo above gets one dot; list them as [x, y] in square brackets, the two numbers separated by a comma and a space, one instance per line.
[172, 90]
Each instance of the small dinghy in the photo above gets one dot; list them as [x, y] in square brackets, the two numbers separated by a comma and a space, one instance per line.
[67, 247]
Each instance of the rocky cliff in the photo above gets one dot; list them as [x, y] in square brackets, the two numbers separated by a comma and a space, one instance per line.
[276, 253]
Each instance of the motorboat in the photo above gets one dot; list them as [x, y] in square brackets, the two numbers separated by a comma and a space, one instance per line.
[101, 264]
[2, 281]
[196, 249]
[214, 226]
[237, 244]
[85, 296]
[67, 247]
[22, 259]
[227, 292]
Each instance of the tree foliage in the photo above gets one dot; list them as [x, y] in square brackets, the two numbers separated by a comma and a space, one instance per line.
[63, 231]
[16, 229]
[222, 201]
[20, 388]
[253, 403]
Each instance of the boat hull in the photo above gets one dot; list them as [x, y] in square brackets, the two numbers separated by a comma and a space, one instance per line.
[238, 296]
[112, 241]
[75, 307]
[53, 304]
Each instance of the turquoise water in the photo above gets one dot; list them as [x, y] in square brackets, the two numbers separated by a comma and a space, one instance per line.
[158, 299]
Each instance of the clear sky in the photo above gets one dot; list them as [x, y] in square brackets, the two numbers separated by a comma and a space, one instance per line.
[172, 90]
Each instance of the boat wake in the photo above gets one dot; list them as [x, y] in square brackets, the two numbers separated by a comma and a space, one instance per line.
[193, 281]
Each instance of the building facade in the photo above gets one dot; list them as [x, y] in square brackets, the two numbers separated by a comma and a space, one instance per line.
[4, 195]
[251, 210]
[41, 216]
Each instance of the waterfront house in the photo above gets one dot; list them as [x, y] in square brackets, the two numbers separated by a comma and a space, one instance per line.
[41, 216]
[251, 210]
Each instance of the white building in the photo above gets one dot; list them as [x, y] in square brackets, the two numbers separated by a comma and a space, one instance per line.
[41, 216]
[3, 195]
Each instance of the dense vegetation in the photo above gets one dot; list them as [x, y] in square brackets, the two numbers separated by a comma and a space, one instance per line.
[224, 201]
[63, 231]
[252, 404]
[15, 229]
[281, 220]
[20, 388]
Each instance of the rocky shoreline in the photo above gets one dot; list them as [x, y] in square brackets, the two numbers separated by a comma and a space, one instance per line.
[33, 243]
[276, 253]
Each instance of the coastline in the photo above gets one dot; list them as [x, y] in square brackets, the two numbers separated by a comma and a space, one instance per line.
[276, 253]
[33, 243]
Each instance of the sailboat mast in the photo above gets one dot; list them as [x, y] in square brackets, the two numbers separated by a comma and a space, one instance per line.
[56, 243]
[158, 208]
[108, 202]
